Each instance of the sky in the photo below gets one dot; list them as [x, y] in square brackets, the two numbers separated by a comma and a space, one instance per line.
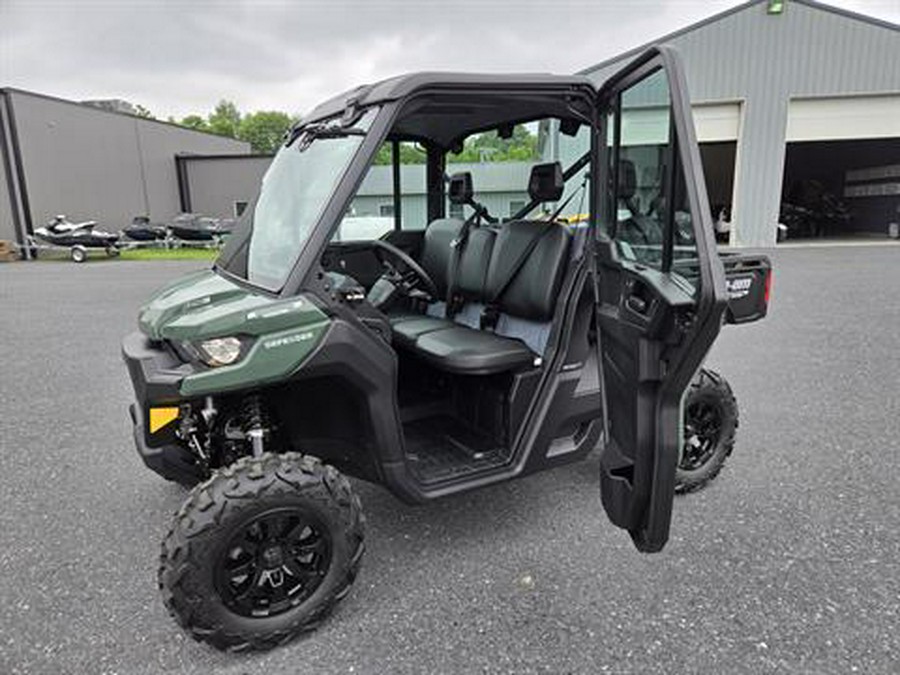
[181, 57]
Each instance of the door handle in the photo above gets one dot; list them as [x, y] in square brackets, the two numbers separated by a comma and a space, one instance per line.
[636, 304]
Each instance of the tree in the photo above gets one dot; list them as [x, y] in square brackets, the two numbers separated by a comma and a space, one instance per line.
[264, 130]
[409, 154]
[141, 111]
[489, 147]
[194, 122]
[225, 119]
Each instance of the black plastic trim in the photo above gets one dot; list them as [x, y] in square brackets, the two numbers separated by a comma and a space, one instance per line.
[19, 166]
[184, 185]
[14, 205]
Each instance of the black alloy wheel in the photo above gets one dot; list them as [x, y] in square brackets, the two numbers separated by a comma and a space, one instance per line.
[710, 424]
[273, 563]
[702, 429]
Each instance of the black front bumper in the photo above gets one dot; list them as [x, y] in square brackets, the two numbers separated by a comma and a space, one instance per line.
[156, 376]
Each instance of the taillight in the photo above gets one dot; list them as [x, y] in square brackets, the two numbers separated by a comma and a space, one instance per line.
[768, 285]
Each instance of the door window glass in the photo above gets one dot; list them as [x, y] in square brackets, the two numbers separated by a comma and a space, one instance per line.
[650, 218]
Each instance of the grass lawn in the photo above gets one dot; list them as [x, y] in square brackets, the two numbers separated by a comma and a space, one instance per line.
[169, 254]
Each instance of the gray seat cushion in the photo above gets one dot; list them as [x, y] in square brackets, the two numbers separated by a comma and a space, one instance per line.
[409, 329]
[472, 352]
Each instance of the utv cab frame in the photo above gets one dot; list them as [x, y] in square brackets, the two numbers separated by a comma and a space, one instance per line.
[433, 360]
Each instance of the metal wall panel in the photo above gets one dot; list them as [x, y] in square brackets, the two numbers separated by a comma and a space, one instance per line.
[216, 183]
[765, 60]
[78, 162]
[159, 143]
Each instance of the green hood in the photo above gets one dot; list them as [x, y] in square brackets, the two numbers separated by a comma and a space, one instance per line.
[205, 304]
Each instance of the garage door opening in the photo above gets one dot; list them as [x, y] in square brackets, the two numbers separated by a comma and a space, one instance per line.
[840, 189]
[718, 169]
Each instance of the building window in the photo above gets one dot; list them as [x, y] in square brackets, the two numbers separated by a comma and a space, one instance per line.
[386, 210]
[515, 206]
[239, 208]
[456, 210]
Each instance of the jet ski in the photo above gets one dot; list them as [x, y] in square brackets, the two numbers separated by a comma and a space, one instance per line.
[141, 229]
[193, 227]
[60, 231]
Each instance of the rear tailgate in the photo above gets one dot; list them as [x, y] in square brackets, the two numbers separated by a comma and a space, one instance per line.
[748, 277]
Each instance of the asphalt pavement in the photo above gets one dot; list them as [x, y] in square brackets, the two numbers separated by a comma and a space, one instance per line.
[788, 563]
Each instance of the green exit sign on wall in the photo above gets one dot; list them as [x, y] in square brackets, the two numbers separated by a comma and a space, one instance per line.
[776, 6]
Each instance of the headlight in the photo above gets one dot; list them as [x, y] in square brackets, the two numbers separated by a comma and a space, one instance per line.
[220, 351]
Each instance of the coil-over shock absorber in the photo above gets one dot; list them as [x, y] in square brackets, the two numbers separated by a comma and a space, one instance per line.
[256, 424]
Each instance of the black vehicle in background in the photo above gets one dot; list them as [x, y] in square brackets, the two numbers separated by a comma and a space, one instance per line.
[141, 229]
[811, 210]
[194, 227]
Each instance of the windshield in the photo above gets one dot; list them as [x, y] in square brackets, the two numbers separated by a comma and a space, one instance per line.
[294, 192]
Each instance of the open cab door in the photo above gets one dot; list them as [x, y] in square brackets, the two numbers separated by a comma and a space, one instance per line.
[659, 285]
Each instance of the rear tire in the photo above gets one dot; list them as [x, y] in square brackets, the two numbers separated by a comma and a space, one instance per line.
[78, 254]
[710, 425]
[231, 541]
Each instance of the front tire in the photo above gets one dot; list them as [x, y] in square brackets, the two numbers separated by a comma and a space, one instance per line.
[262, 551]
[710, 425]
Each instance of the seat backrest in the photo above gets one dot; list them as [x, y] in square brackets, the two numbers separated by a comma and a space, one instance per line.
[532, 293]
[637, 228]
[437, 250]
[437, 246]
[474, 261]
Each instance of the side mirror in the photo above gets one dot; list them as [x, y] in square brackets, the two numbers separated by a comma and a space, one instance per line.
[460, 190]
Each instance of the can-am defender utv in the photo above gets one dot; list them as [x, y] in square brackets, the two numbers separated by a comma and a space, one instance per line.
[455, 352]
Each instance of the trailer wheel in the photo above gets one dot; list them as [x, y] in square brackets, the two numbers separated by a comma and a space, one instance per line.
[262, 551]
[710, 424]
[78, 254]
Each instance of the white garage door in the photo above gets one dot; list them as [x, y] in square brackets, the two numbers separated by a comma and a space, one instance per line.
[717, 121]
[834, 119]
[713, 122]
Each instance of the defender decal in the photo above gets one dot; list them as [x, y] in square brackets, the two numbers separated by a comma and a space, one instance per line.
[288, 340]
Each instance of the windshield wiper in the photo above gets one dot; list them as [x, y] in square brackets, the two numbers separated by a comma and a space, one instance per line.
[311, 132]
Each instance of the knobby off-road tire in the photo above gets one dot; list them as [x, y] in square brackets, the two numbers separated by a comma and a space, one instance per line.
[235, 501]
[710, 418]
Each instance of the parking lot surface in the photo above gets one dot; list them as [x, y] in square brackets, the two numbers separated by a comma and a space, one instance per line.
[789, 562]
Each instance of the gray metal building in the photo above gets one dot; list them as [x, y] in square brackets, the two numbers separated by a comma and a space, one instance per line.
[58, 156]
[790, 92]
[222, 185]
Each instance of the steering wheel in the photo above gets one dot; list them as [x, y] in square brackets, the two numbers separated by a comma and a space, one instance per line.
[408, 277]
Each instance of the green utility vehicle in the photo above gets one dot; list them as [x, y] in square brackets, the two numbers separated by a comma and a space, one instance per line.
[456, 351]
